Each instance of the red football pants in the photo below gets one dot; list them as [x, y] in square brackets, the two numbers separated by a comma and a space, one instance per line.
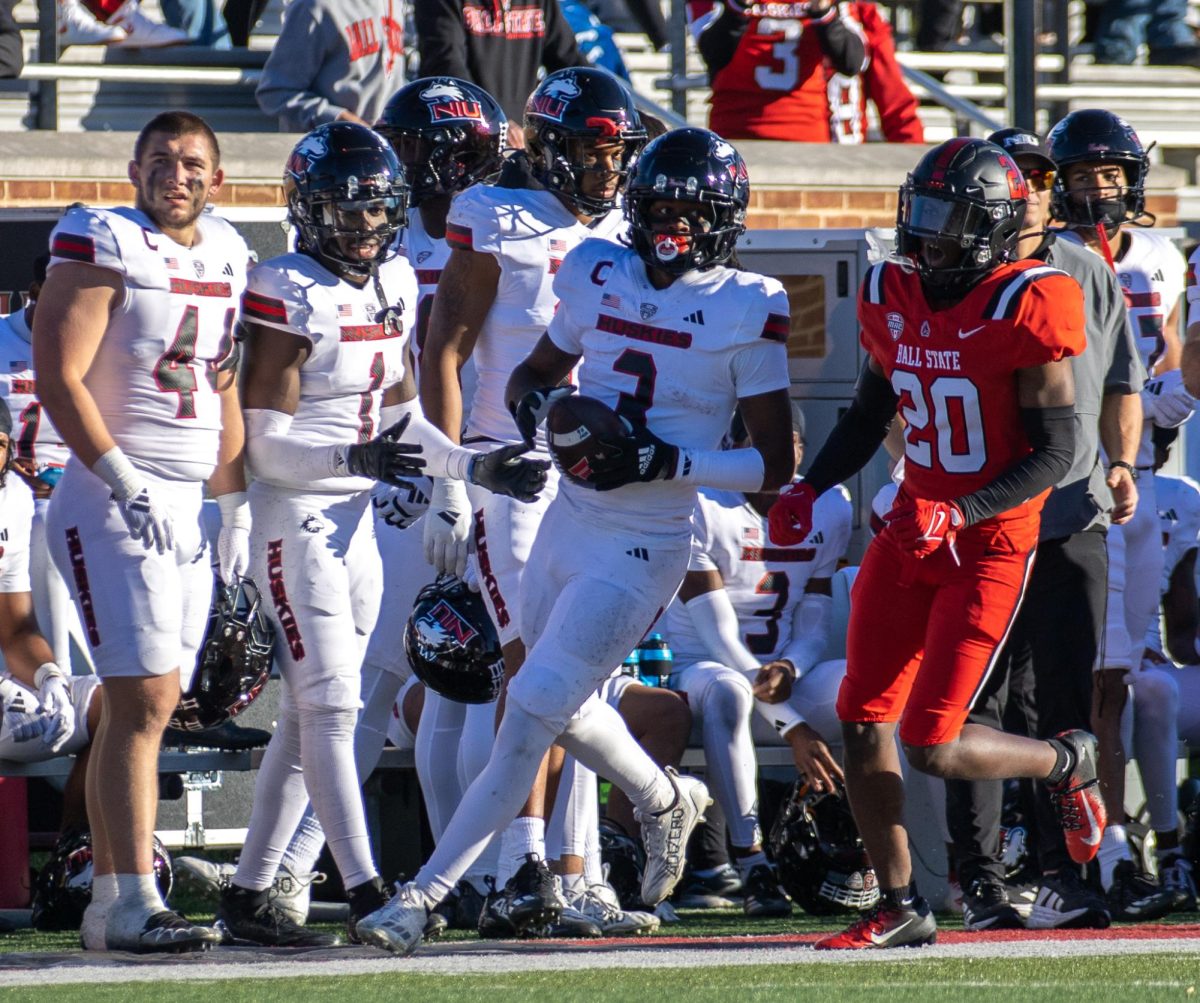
[925, 633]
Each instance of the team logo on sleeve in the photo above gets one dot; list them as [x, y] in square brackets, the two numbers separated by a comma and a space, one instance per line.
[556, 97]
[448, 102]
[895, 323]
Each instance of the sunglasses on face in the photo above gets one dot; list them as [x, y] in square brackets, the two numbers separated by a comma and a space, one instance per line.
[1040, 180]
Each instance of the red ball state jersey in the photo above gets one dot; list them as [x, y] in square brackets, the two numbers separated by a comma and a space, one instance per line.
[954, 370]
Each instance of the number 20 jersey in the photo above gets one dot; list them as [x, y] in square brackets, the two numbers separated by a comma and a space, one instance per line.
[155, 371]
[676, 358]
[954, 370]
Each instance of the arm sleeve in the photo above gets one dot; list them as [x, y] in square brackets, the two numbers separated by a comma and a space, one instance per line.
[1051, 433]
[441, 39]
[858, 433]
[842, 41]
[559, 49]
[716, 625]
[285, 89]
[443, 458]
[811, 620]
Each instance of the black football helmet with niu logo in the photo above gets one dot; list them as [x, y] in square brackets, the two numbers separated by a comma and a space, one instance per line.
[448, 133]
[233, 663]
[1095, 136]
[335, 174]
[960, 215]
[570, 110]
[820, 855]
[690, 165]
[452, 644]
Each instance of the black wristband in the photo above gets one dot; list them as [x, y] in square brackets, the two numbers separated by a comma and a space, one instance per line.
[1128, 466]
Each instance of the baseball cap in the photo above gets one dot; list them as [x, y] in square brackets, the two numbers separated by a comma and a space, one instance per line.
[1022, 143]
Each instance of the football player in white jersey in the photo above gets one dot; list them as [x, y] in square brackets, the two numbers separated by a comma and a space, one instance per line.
[40, 459]
[133, 349]
[747, 629]
[604, 566]
[1099, 193]
[494, 301]
[327, 367]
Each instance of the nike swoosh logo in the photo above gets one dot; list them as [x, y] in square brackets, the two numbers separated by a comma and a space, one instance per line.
[885, 938]
[974, 330]
[1087, 810]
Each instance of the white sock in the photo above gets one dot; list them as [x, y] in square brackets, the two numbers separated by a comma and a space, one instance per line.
[746, 864]
[526, 834]
[593, 866]
[95, 916]
[574, 885]
[1114, 847]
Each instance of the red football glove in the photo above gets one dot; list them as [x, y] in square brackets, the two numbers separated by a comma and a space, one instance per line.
[921, 525]
[790, 520]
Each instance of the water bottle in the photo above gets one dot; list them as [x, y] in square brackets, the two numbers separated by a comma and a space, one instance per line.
[655, 660]
[629, 667]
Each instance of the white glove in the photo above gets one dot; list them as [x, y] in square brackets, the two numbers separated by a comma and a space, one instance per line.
[22, 725]
[1166, 401]
[233, 539]
[147, 520]
[448, 527]
[55, 699]
[400, 507]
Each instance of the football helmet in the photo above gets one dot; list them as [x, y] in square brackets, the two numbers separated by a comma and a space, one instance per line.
[567, 109]
[233, 662]
[448, 133]
[820, 855]
[334, 174]
[690, 165]
[1093, 135]
[63, 887]
[967, 197]
[626, 860]
[452, 644]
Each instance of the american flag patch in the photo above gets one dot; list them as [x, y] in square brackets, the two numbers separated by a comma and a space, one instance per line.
[612, 300]
[750, 533]
[558, 245]
[172, 263]
[17, 365]
[345, 309]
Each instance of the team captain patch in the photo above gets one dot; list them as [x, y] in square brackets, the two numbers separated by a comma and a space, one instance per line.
[74, 247]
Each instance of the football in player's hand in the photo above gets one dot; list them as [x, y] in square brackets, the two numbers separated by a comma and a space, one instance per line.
[579, 430]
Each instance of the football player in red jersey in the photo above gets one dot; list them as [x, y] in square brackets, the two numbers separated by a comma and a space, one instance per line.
[972, 348]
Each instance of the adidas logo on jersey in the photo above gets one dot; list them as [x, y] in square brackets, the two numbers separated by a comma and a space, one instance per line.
[1157, 277]
[818, 538]
[641, 553]
[228, 269]
[695, 318]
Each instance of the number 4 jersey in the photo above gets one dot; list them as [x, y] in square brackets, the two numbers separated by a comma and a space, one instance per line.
[954, 370]
[155, 371]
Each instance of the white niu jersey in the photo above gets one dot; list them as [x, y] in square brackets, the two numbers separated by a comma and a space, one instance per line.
[529, 231]
[1153, 274]
[359, 348]
[765, 583]
[428, 256]
[16, 522]
[37, 440]
[676, 359]
[155, 373]
[1179, 516]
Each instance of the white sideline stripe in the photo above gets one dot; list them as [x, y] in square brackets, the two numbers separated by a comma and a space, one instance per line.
[209, 967]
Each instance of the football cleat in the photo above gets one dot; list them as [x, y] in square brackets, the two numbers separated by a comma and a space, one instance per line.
[986, 906]
[164, 932]
[494, 922]
[1065, 902]
[718, 890]
[204, 877]
[600, 904]
[1175, 873]
[462, 908]
[291, 892]
[665, 836]
[1136, 898]
[249, 917]
[399, 925]
[885, 926]
[1077, 801]
[533, 899]
[763, 898]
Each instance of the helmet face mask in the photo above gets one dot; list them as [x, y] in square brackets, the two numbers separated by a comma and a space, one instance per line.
[448, 133]
[1098, 138]
[686, 201]
[347, 195]
[960, 215]
[571, 117]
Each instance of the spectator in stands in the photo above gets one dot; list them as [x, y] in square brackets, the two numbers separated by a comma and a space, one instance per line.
[241, 16]
[140, 31]
[499, 48]
[200, 20]
[1161, 24]
[795, 77]
[12, 58]
[938, 24]
[334, 60]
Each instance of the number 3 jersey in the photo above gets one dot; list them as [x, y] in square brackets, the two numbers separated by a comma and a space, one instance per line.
[954, 370]
[359, 347]
[171, 331]
[765, 583]
[677, 359]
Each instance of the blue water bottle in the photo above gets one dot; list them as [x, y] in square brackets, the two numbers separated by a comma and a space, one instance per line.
[655, 660]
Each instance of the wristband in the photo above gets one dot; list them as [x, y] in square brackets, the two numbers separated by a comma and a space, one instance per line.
[235, 510]
[44, 672]
[115, 470]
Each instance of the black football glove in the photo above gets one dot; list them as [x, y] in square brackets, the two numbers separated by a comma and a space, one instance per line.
[385, 458]
[639, 456]
[503, 471]
[530, 411]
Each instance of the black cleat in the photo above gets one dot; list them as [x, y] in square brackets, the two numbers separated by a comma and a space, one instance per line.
[1136, 898]
[248, 917]
[762, 898]
[986, 906]
[533, 898]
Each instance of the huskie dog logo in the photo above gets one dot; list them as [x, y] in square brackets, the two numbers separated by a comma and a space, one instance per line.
[727, 155]
[556, 96]
[441, 626]
[448, 102]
